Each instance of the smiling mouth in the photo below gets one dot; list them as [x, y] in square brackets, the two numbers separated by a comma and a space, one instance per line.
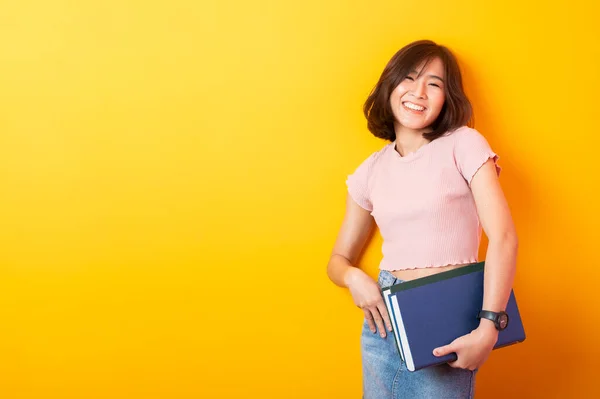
[413, 107]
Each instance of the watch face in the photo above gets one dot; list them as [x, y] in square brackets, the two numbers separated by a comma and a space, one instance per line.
[503, 321]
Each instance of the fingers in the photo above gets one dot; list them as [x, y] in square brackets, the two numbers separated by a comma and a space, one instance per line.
[386, 317]
[370, 320]
[455, 364]
[378, 321]
[443, 350]
[453, 346]
[462, 360]
[374, 318]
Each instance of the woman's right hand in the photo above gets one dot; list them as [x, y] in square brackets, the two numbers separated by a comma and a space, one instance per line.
[356, 227]
[367, 296]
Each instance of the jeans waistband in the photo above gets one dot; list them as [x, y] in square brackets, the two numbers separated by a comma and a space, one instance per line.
[387, 279]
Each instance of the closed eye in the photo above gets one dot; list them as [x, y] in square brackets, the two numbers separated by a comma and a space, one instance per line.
[409, 78]
[433, 84]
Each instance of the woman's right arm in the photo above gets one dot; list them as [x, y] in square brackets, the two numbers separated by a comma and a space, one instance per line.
[355, 230]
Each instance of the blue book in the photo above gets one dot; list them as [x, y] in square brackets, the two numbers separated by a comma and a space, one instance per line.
[435, 310]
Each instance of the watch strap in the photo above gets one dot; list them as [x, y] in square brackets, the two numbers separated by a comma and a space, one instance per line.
[488, 314]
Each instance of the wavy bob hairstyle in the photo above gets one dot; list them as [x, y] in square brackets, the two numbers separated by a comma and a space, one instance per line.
[456, 111]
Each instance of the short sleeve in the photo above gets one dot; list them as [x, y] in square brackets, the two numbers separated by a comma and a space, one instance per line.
[471, 151]
[358, 183]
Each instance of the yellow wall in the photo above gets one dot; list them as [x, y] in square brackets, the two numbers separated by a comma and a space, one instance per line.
[172, 180]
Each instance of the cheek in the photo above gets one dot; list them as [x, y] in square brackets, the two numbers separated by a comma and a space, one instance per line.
[398, 93]
[438, 101]
[396, 99]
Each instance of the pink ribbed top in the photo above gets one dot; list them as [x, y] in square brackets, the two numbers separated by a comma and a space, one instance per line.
[422, 202]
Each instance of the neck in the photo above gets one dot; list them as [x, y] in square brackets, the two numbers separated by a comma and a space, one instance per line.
[409, 140]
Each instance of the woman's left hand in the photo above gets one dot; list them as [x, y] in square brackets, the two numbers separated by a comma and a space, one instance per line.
[472, 349]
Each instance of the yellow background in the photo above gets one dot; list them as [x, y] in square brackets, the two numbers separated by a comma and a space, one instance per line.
[172, 181]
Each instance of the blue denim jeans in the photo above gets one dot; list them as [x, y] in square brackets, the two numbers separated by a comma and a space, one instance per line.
[385, 375]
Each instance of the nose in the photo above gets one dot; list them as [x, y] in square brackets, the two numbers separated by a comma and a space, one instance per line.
[419, 89]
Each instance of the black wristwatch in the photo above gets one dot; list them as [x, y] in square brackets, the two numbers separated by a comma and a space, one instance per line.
[500, 319]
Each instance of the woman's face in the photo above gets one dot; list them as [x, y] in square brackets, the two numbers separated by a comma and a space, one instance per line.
[417, 101]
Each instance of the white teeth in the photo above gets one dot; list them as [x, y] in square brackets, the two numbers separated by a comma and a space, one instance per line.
[413, 106]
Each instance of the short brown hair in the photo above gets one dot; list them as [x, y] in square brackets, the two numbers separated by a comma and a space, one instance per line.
[457, 110]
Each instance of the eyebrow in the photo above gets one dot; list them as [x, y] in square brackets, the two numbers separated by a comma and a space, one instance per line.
[431, 76]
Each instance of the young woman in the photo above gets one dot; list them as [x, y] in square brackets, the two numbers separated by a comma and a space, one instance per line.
[431, 190]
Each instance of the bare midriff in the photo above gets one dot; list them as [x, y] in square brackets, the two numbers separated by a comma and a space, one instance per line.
[411, 274]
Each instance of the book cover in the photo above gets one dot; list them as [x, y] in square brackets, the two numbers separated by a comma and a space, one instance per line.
[433, 311]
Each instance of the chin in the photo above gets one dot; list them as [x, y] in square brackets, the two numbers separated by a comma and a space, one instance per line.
[415, 126]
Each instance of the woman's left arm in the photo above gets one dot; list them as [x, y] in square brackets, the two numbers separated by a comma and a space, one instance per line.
[501, 256]
[500, 265]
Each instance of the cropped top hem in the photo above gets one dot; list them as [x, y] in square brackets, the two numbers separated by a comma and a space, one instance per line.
[432, 266]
